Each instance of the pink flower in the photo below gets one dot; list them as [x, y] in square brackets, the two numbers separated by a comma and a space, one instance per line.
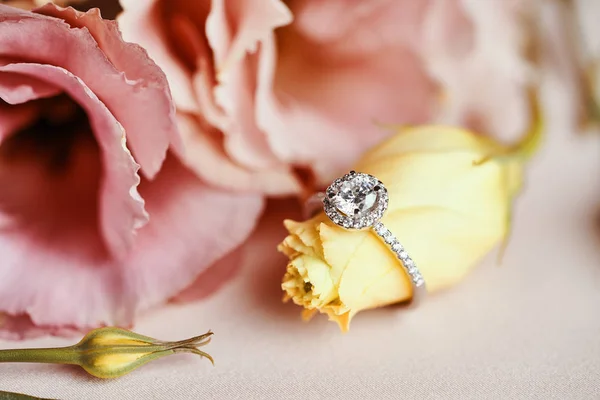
[269, 91]
[85, 241]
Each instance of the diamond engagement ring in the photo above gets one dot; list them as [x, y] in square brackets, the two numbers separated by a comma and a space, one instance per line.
[358, 201]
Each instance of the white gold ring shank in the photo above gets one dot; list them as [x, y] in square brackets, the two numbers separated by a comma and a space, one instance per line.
[358, 201]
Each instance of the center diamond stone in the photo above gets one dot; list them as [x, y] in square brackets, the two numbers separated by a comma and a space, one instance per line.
[355, 197]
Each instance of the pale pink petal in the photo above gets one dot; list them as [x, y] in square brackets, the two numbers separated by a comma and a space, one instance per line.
[203, 78]
[255, 252]
[496, 49]
[205, 86]
[141, 103]
[148, 144]
[322, 93]
[144, 22]
[122, 210]
[279, 118]
[358, 26]
[18, 89]
[447, 31]
[212, 279]
[192, 227]
[235, 30]
[55, 266]
[205, 155]
[21, 327]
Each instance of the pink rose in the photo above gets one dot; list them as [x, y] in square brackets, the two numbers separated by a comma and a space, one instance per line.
[85, 240]
[275, 92]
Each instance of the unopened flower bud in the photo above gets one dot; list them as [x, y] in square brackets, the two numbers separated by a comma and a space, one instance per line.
[109, 352]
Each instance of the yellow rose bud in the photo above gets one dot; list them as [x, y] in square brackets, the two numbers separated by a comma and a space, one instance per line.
[109, 352]
[450, 194]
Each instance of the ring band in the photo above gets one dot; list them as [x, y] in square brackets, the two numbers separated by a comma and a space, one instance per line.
[358, 201]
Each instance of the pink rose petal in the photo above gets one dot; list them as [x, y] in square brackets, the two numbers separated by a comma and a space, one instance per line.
[21, 327]
[203, 79]
[54, 261]
[357, 26]
[245, 161]
[256, 252]
[149, 136]
[212, 279]
[142, 22]
[192, 226]
[122, 210]
[139, 104]
[329, 82]
[235, 28]
[205, 155]
[18, 88]
[473, 42]
[235, 31]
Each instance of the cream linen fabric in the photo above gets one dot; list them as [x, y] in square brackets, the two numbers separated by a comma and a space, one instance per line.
[526, 329]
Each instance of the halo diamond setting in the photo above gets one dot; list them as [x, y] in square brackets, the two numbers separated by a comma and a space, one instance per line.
[358, 200]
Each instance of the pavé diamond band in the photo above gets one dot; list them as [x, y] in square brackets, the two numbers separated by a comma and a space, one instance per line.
[358, 201]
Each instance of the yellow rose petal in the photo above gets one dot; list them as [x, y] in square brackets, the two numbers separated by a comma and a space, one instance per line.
[450, 194]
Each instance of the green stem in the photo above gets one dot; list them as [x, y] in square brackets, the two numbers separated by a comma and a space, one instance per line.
[528, 146]
[65, 355]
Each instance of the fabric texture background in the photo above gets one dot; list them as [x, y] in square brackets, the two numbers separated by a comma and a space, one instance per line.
[528, 328]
